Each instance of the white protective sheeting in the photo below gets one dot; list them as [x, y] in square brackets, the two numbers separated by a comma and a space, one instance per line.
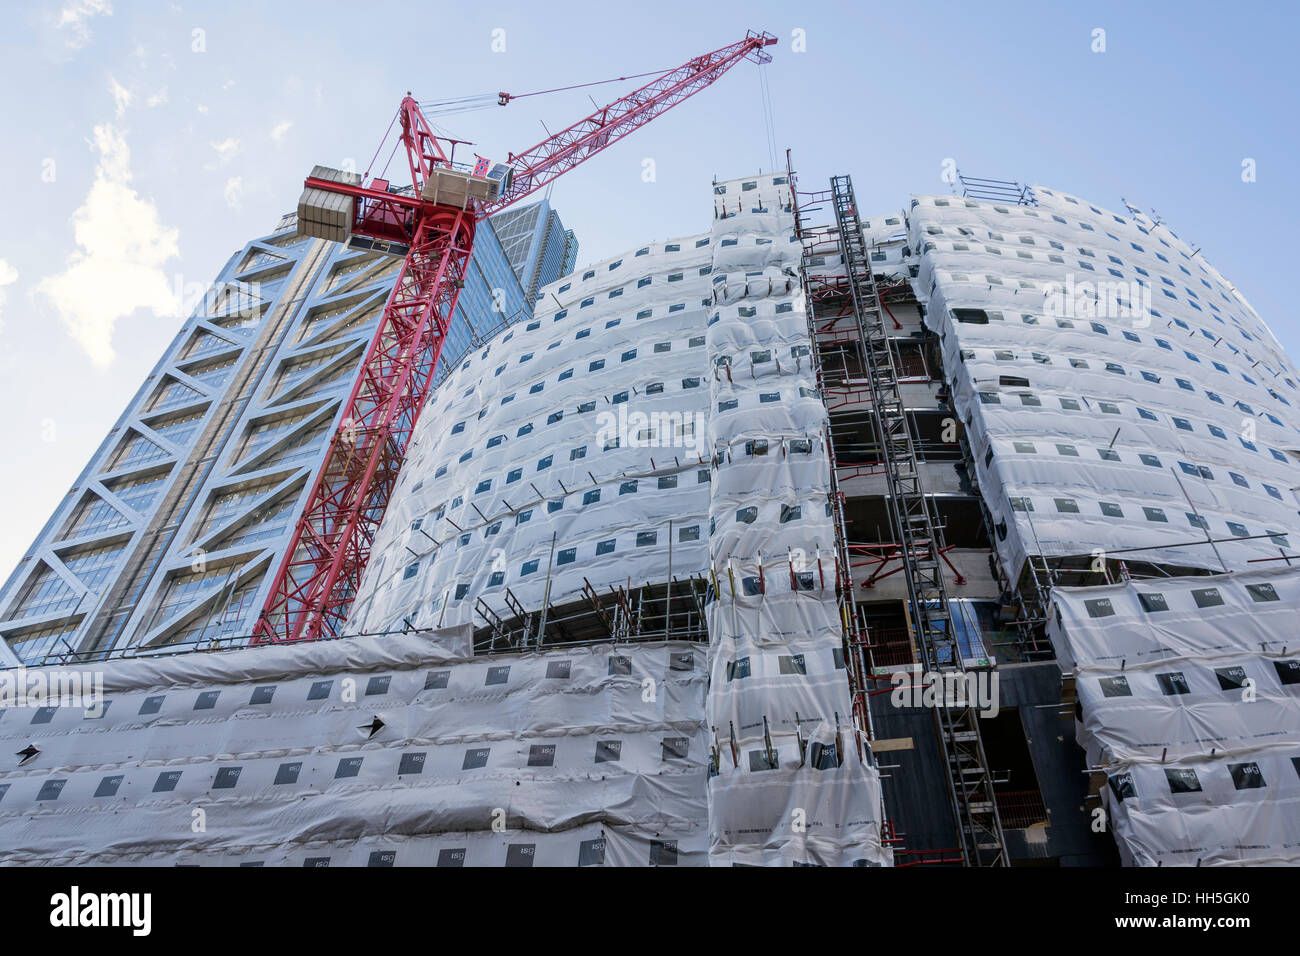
[789, 786]
[580, 432]
[585, 424]
[1106, 374]
[556, 758]
[588, 425]
[1221, 812]
[1189, 697]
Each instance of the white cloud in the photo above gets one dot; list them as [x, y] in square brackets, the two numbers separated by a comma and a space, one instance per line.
[118, 265]
[8, 276]
[226, 149]
[280, 128]
[75, 17]
[121, 96]
[203, 110]
[157, 99]
[234, 191]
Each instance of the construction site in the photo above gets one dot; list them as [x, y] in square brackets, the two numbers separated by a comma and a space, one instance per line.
[955, 534]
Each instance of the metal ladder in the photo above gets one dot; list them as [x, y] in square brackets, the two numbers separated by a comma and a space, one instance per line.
[1031, 602]
[855, 638]
[916, 528]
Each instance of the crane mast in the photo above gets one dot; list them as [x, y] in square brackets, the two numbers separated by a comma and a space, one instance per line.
[431, 225]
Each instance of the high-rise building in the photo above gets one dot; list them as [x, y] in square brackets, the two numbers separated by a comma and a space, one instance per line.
[995, 493]
[594, 477]
[1129, 430]
[538, 246]
[168, 535]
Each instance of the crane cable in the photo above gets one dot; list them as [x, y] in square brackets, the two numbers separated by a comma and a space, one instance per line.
[378, 148]
[579, 86]
[463, 104]
[769, 120]
[482, 101]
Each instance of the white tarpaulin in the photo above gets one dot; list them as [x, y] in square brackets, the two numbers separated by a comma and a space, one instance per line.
[1189, 698]
[374, 750]
[790, 786]
[585, 424]
[1118, 392]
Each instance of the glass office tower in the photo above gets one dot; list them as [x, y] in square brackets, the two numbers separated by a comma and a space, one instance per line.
[169, 535]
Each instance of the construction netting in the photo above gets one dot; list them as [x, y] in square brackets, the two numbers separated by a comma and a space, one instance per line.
[1118, 392]
[582, 427]
[791, 785]
[380, 751]
[1188, 699]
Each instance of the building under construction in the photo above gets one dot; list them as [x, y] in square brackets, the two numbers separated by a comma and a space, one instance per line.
[956, 535]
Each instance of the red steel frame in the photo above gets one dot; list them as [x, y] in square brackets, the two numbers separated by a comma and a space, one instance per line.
[320, 573]
[330, 547]
[880, 555]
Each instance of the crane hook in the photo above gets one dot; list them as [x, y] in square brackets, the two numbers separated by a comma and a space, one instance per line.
[503, 99]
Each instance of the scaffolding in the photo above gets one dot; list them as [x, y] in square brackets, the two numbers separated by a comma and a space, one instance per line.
[664, 611]
[1026, 591]
[831, 368]
[857, 362]
[996, 190]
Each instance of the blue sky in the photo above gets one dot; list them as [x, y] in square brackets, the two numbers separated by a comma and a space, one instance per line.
[146, 142]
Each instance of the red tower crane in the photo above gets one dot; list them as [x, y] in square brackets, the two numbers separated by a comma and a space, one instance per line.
[432, 225]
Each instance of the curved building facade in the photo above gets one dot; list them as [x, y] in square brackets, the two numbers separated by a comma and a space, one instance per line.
[646, 462]
[584, 425]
